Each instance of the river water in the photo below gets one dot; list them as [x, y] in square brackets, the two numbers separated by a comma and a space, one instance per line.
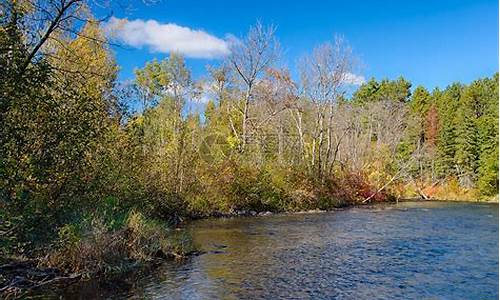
[410, 250]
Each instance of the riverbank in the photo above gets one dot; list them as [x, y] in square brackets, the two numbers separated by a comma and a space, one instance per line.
[98, 253]
[488, 200]
[297, 255]
[448, 190]
[89, 250]
[19, 277]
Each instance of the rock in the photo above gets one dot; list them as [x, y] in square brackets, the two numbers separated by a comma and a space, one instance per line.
[196, 253]
[311, 211]
[266, 213]
[253, 213]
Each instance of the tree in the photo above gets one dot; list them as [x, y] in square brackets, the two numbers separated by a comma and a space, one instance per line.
[487, 125]
[420, 103]
[447, 105]
[366, 92]
[249, 59]
[168, 84]
[431, 126]
[466, 151]
[323, 79]
[394, 90]
[54, 116]
[151, 83]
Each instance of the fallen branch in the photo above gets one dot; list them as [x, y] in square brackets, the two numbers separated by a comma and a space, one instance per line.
[380, 189]
[398, 173]
[58, 279]
[24, 276]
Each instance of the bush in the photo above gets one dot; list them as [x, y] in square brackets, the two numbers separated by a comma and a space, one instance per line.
[146, 239]
[348, 189]
[94, 247]
[94, 250]
[232, 185]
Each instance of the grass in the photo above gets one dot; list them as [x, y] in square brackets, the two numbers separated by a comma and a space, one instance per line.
[93, 248]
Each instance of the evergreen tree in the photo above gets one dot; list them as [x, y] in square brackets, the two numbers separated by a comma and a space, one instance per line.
[466, 143]
[393, 90]
[366, 92]
[419, 103]
[447, 104]
[487, 125]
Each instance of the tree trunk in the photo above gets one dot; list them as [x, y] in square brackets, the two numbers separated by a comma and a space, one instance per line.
[245, 120]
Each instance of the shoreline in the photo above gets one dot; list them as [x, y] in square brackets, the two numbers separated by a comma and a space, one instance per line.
[27, 276]
[19, 286]
[250, 213]
[492, 200]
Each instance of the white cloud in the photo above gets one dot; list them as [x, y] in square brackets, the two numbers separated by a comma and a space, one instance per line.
[354, 79]
[166, 38]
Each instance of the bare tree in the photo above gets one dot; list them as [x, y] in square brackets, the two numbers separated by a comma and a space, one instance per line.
[273, 96]
[249, 59]
[219, 81]
[323, 77]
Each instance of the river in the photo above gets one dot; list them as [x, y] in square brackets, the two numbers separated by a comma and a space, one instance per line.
[410, 250]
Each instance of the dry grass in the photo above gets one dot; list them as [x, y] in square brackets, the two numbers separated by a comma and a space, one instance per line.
[99, 251]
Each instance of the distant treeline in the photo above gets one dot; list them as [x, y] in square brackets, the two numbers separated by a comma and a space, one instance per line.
[90, 166]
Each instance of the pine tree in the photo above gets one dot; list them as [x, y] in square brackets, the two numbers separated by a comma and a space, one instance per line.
[419, 105]
[447, 104]
[466, 153]
[366, 92]
[420, 100]
[393, 90]
[488, 139]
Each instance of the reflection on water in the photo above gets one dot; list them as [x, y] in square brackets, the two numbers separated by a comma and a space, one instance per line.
[430, 250]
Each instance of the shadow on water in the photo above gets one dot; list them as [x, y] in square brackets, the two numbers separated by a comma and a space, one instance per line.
[418, 250]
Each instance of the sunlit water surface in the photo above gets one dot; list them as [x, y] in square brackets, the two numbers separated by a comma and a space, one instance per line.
[412, 250]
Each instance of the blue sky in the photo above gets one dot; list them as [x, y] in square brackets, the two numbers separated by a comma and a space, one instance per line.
[432, 43]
